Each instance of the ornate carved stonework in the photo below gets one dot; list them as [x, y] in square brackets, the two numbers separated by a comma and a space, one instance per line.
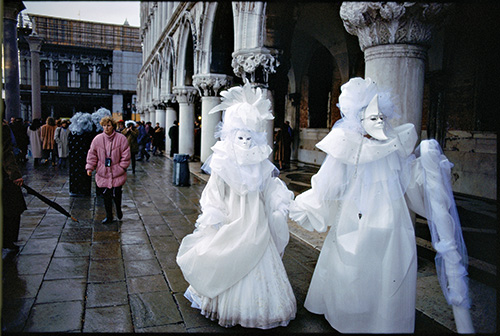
[248, 61]
[169, 99]
[185, 94]
[211, 84]
[377, 23]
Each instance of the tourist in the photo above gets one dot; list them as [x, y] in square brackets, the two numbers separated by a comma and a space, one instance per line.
[109, 156]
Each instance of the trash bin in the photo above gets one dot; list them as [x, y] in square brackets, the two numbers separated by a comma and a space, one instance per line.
[180, 175]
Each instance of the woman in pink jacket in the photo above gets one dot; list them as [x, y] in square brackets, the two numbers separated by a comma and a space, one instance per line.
[109, 156]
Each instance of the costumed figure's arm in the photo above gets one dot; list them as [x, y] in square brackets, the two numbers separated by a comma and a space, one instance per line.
[277, 199]
[316, 208]
[430, 195]
[213, 210]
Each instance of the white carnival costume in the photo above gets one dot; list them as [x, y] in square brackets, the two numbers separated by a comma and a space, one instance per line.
[232, 260]
[365, 277]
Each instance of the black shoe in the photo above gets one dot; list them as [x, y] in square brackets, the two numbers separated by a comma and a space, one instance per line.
[107, 220]
[119, 213]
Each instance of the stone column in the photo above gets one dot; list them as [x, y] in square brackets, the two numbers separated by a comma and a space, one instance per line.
[11, 59]
[152, 114]
[209, 86]
[35, 42]
[394, 38]
[185, 97]
[171, 116]
[258, 63]
[159, 115]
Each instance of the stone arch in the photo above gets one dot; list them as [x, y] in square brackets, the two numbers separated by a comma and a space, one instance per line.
[219, 37]
[185, 53]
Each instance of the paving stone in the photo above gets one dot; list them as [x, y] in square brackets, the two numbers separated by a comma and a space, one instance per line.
[108, 320]
[137, 252]
[20, 286]
[62, 290]
[47, 232]
[55, 317]
[106, 294]
[103, 270]
[167, 260]
[154, 309]
[131, 226]
[15, 313]
[106, 236]
[76, 234]
[165, 244]
[32, 264]
[139, 237]
[72, 249]
[176, 280]
[192, 316]
[106, 250]
[39, 246]
[157, 219]
[169, 328]
[67, 268]
[134, 268]
[145, 284]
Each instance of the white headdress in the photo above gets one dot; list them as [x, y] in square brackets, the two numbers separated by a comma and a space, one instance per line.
[244, 169]
[98, 115]
[244, 108]
[355, 97]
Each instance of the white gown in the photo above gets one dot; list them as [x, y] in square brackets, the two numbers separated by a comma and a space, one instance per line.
[365, 277]
[232, 260]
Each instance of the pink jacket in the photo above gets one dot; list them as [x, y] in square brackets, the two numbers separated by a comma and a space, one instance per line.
[100, 149]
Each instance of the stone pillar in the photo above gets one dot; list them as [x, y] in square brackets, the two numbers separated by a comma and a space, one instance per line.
[160, 115]
[152, 114]
[171, 116]
[35, 43]
[208, 87]
[258, 63]
[185, 97]
[11, 59]
[394, 38]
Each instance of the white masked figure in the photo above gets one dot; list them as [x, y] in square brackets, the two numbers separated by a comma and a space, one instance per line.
[232, 260]
[365, 277]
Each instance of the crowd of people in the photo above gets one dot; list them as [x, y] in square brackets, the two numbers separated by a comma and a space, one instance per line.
[46, 142]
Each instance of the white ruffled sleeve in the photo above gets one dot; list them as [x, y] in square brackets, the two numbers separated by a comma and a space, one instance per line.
[213, 210]
[277, 199]
[430, 195]
[316, 208]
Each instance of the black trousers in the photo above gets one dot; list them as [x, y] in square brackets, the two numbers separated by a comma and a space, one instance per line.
[110, 195]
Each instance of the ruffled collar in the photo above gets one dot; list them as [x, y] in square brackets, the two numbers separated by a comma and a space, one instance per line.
[353, 148]
[242, 169]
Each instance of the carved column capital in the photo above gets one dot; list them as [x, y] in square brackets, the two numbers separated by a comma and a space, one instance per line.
[250, 61]
[168, 99]
[185, 94]
[377, 23]
[35, 42]
[211, 84]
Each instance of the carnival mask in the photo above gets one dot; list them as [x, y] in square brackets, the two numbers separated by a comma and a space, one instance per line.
[243, 139]
[373, 121]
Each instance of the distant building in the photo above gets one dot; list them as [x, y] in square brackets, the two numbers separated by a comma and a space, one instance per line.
[436, 58]
[83, 66]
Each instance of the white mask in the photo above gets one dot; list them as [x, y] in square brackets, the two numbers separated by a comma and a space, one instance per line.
[243, 139]
[373, 121]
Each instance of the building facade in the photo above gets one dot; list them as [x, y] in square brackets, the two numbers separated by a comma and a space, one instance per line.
[425, 54]
[82, 66]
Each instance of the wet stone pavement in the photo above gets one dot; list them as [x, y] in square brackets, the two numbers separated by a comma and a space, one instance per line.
[122, 278]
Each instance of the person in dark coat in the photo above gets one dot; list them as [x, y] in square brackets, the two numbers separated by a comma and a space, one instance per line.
[22, 139]
[173, 134]
[13, 203]
[131, 133]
